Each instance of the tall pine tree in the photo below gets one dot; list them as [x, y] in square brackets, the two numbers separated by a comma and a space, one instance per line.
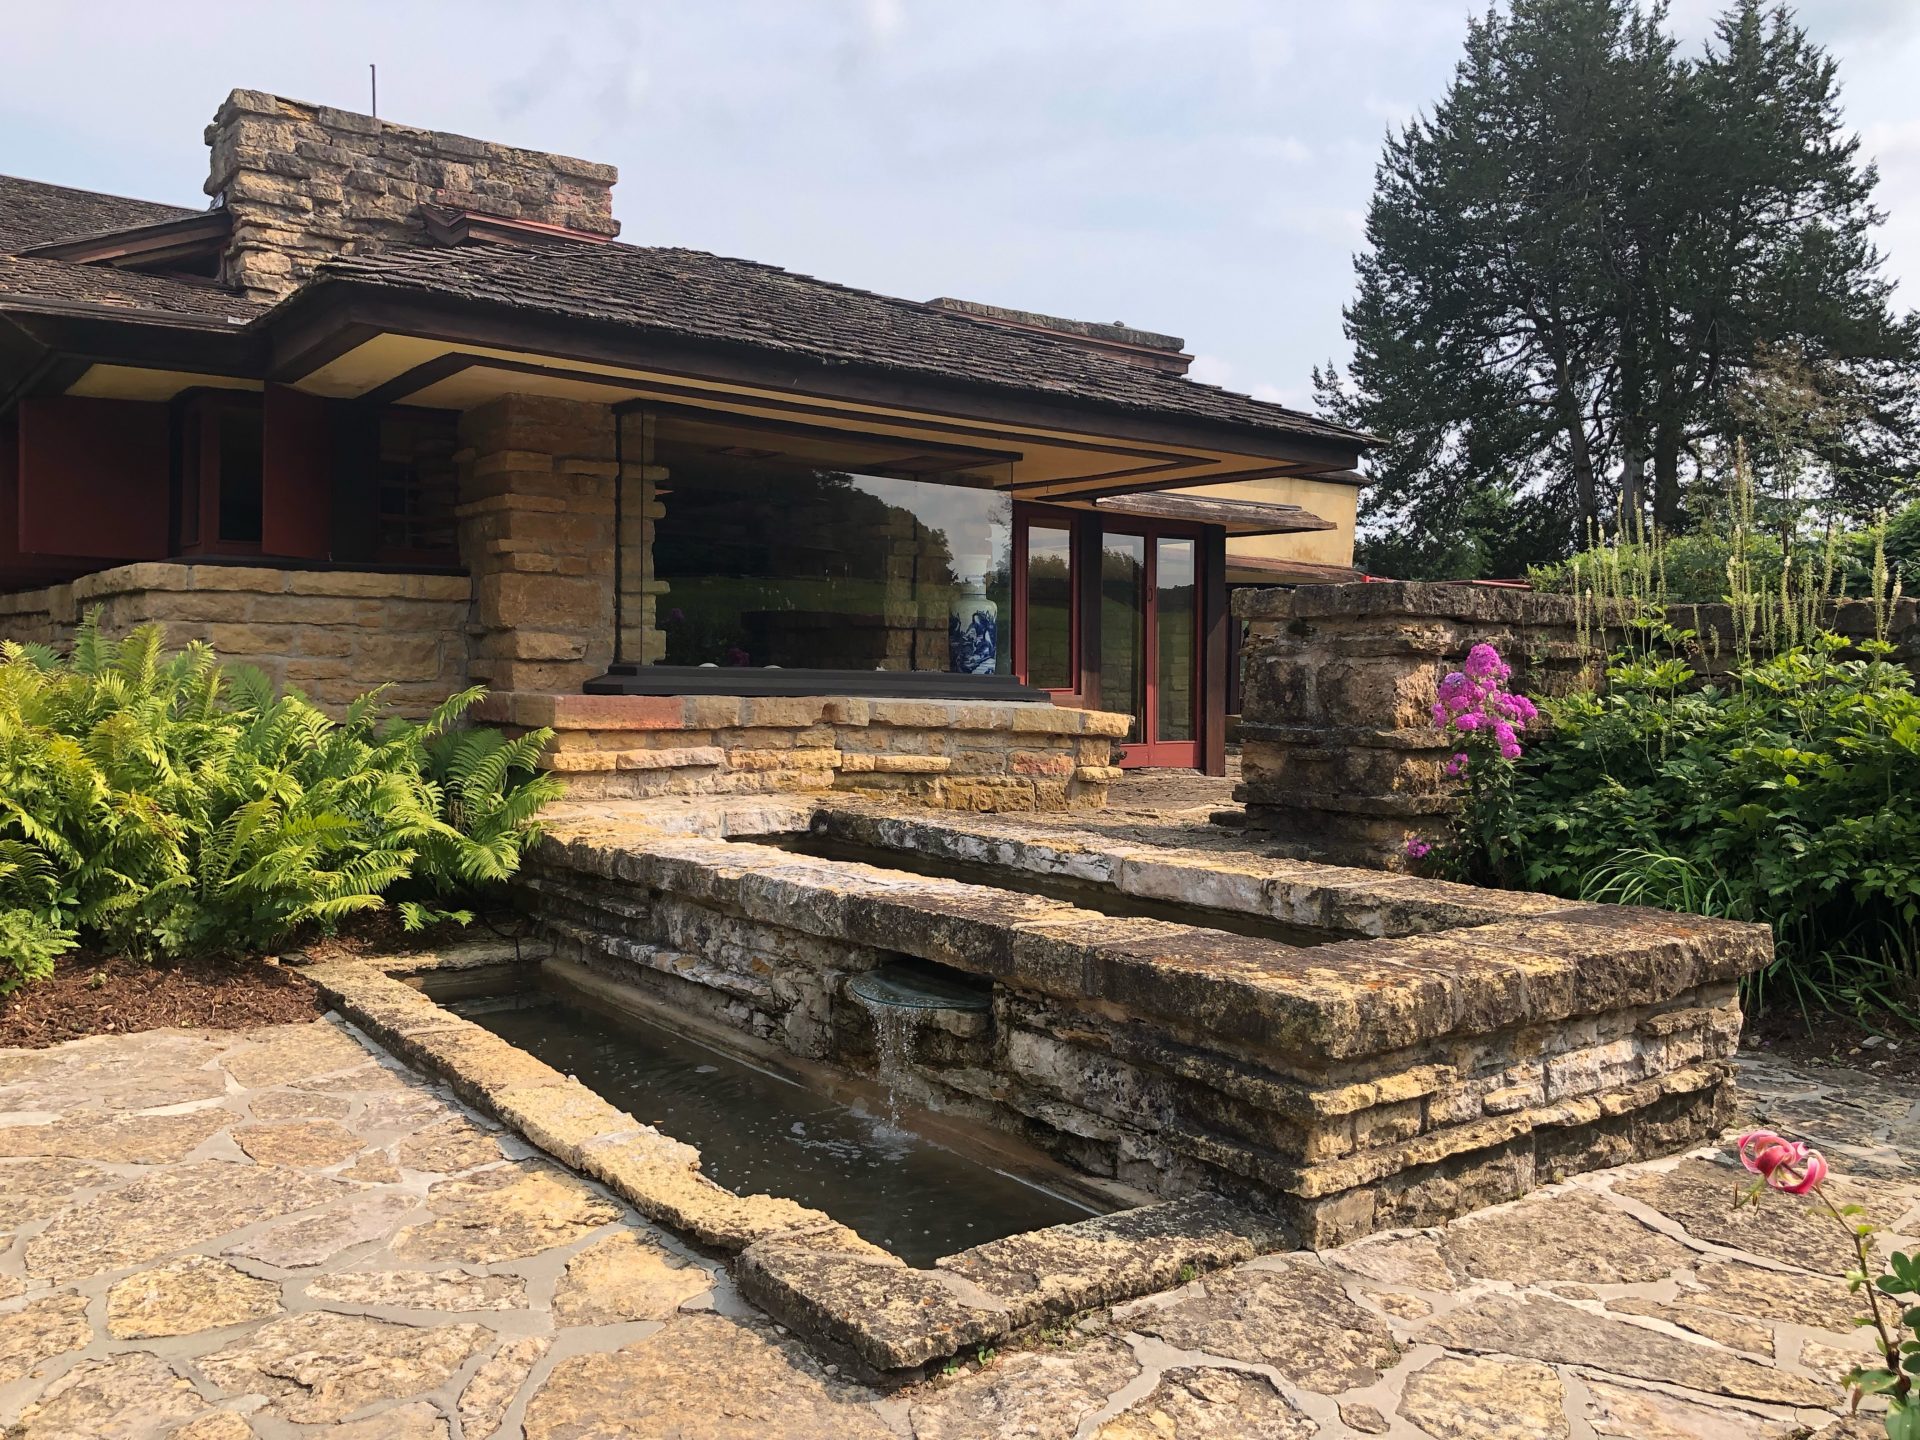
[1575, 261]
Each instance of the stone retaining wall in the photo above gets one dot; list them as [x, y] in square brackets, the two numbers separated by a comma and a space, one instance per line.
[1449, 1047]
[1341, 759]
[955, 754]
[331, 633]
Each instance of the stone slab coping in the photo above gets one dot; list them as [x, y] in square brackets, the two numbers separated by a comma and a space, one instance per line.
[166, 575]
[1408, 599]
[567, 711]
[801, 1265]
[1486, 961]
[1343, 898]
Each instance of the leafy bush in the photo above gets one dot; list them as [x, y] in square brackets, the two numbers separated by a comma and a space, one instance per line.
[158, 803]
[1903, 544]
[1693, 569]
[1787, 797]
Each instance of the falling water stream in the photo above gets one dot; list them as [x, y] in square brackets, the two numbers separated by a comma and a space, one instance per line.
[900, 998]
[893, 1027]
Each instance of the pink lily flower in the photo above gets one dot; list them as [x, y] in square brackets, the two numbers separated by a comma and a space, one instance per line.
[1784, 1165]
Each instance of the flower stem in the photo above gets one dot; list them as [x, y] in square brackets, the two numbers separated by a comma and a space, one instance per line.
[1889, 1344]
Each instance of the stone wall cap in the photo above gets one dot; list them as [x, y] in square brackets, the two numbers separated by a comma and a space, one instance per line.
[1413, 598]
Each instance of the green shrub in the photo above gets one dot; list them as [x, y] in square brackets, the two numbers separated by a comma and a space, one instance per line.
[1787, 797]
[1693, 569]
[1903, 545]
[157, 803]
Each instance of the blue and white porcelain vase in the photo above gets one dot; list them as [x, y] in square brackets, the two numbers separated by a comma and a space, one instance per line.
[973, 629]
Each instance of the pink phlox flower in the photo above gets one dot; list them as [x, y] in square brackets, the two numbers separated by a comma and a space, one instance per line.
[1456, 764]
[1457, 692]
[1509, 750]
[1439, 713]
[1418, 849]
[1484, 663]
[1516, 710]
[1470, 721]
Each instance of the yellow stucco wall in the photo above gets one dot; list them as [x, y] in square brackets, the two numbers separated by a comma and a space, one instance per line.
[1329, 500]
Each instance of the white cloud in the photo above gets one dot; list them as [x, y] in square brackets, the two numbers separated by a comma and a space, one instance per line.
[1290, 149]
[1210, 370]
[883, 19]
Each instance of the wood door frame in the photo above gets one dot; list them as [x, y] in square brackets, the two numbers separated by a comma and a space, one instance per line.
[1207, 750]
[1150, 751]
[1049, 517]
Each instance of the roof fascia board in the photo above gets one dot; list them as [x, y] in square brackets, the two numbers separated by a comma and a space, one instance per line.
[115, 335]
[136, 241]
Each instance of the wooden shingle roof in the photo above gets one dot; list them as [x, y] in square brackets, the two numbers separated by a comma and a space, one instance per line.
[695, 295]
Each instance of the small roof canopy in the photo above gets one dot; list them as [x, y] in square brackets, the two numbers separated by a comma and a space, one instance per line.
[1239, 517]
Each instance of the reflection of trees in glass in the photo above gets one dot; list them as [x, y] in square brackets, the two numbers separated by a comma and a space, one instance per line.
[1123, 622]
[1049, 621]
[770, 565]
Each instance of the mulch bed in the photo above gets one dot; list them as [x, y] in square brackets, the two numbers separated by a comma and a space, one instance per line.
[111, 995]
[91, 994]
[1884, 1046]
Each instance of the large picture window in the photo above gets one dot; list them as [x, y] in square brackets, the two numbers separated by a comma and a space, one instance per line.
[819, 552]
[1052, 662]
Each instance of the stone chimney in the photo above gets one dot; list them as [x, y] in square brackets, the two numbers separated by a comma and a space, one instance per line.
[304, 182]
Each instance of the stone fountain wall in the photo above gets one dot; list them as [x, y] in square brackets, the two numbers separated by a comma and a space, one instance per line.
[1340, 758]
[1457, 1048]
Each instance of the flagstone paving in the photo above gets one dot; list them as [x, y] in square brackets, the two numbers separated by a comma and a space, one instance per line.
[283, 1234]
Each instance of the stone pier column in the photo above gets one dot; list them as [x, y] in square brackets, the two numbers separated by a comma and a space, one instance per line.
[536, 534]
[1342, 762]
[643, 641]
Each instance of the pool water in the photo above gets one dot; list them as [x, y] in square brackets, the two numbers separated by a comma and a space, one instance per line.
[760, 1131]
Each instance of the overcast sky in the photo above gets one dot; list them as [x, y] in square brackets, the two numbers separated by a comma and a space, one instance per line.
[1198, 167]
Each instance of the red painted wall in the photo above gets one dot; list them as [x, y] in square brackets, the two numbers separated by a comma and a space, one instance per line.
[296, 477]
[92, 478]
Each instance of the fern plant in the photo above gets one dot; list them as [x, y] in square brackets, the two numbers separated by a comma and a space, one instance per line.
[159, 803]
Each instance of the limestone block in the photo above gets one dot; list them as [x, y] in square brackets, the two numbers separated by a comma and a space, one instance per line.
[1041, 764]
[356, 582]
[546, 601]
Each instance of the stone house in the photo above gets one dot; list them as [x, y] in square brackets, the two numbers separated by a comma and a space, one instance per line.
[400, 408]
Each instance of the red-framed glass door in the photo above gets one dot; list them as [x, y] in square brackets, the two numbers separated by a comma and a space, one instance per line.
[1107, 613]
[1150, 641]
[1047, 630]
